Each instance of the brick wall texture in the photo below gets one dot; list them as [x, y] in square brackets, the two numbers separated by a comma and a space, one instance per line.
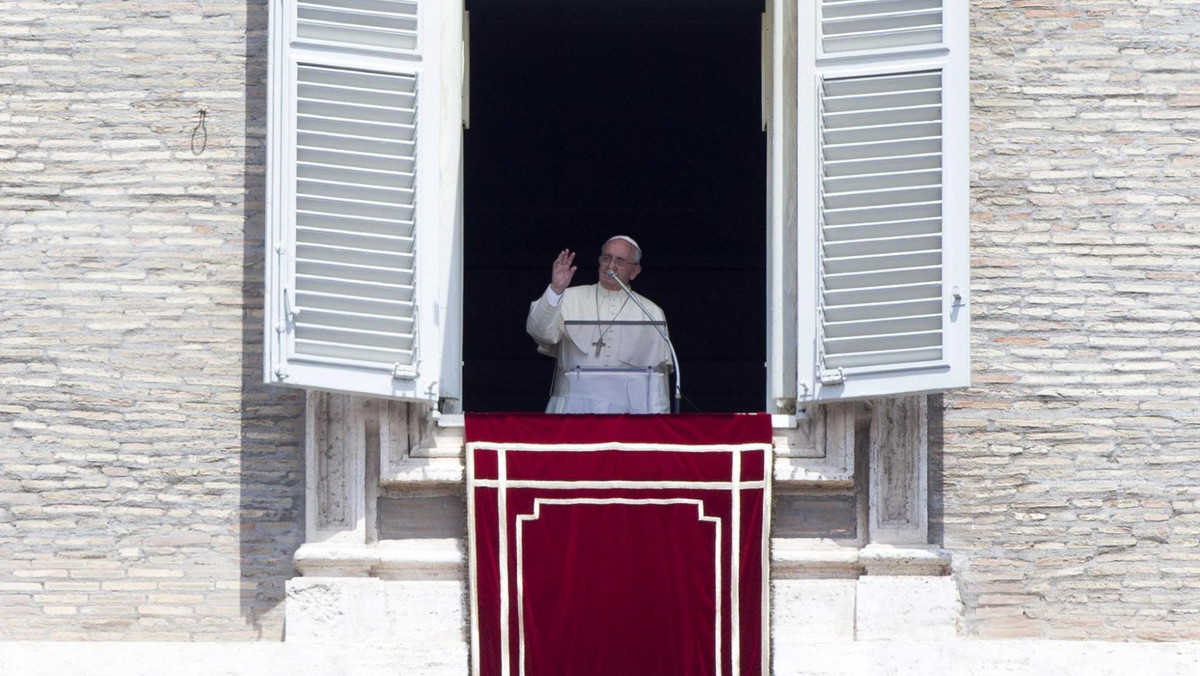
[151, 488]
[1067, 479]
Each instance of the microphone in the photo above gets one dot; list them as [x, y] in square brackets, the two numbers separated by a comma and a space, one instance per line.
[674, 359]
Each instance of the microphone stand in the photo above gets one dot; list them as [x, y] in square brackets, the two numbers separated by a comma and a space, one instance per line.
[674, 358]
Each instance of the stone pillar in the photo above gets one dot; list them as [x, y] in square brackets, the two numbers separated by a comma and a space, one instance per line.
[336, 468]
[355, 586]
[906, 591]
[898, 490]
[336, 599]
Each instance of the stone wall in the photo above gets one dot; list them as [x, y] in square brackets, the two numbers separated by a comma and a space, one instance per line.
[150, 486]
[1067, 479]
[152, 489]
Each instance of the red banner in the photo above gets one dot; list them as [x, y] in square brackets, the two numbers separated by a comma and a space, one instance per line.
[618, 545]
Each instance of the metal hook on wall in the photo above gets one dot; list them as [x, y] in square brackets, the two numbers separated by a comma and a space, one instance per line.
[201, 129]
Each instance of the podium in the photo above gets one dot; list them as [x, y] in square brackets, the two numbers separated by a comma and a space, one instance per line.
[641, 389]
[618, 544]
[612, 367]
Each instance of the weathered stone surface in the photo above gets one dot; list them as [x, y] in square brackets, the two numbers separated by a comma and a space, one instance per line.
[1065, 481]
[150, 486]
[336, 610]
[912, 608]
[152, 489]
[803, 611]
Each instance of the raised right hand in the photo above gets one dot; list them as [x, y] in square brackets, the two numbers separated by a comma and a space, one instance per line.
[563, 271]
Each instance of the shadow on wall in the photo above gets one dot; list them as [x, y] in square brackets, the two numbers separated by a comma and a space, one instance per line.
[937, 469]
[271, 507]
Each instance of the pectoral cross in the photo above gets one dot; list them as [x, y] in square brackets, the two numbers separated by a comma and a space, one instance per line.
[599, 345]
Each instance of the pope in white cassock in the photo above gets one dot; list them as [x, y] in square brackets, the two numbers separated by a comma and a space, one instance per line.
[585, 351]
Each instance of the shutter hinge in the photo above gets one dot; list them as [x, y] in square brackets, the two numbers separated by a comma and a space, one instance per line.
[832, 377]
[958, 297]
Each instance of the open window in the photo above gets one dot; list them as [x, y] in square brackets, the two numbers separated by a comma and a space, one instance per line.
[858, 285]
[591, 118]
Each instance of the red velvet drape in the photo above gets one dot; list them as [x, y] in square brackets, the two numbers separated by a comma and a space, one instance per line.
[618, 545]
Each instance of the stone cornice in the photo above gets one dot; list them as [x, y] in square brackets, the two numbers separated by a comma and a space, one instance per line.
[394, 559]
[445, 559]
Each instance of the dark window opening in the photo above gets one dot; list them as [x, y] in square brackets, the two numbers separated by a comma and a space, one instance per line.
[590, 118]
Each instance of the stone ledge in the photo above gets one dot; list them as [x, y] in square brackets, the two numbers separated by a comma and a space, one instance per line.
[335, 560]
[801, 472]
[793, 558]
[809, 559]
[904, 560]
[440, 470]
[446, 559]
[450, 469]
[440, 559]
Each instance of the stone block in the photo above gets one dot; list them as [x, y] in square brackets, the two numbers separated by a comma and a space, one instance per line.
[426, 612]
[914, 608]
[812, 610]
[335, 610]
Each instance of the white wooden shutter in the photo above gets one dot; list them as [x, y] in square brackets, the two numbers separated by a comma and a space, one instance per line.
[883, 190]
[357, 272]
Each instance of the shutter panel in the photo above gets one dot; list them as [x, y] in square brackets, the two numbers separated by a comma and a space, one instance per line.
[354, 216]
[883, 291]
[881, 217]
[355, 275]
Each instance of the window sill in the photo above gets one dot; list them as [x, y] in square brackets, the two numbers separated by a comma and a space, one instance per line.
[779, 421]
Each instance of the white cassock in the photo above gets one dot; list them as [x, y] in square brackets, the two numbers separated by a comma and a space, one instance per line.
[601, 346]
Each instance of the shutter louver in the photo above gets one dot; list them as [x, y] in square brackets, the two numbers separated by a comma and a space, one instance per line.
[858, 25]
[355, 158]
[881, 220]
[389, 24]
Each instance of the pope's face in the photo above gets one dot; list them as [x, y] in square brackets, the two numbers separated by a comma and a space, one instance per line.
[617, 256]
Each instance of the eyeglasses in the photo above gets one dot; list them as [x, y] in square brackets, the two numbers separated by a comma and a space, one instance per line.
[608, 258]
